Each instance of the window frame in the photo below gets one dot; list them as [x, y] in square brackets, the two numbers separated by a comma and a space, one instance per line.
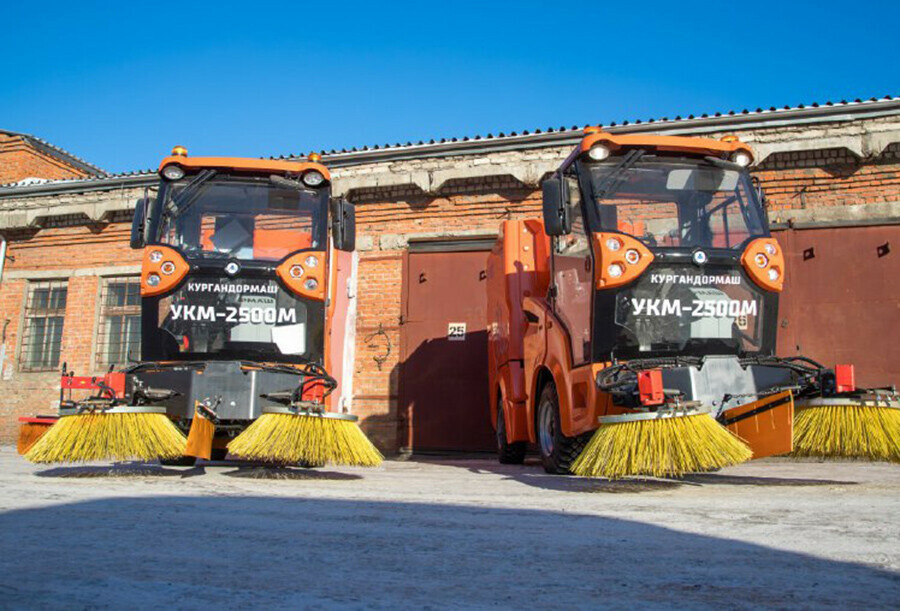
[102, 345]
[27, 363]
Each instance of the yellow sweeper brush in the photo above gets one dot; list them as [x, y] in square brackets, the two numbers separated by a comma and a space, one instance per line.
[659, 444]
[866, 428]
[291, 435]
[118, 433]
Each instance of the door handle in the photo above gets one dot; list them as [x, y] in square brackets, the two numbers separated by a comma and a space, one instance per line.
[422, 277]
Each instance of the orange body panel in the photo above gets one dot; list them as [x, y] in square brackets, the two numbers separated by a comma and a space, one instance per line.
[516, 269]
[171, 259]
[317, 272]
[770, 431]
[770, 250]
[605, 258]
[241, 164]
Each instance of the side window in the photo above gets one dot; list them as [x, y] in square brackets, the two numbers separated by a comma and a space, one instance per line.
[576, 243]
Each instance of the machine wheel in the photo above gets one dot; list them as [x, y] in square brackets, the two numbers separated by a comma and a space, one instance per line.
[558, 452]
[181, 461]
[507, 453]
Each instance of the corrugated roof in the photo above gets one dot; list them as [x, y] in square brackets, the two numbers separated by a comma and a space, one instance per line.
[540, 136]
[59, 153]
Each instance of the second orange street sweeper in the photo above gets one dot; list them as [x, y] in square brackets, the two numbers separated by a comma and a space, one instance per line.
[632, 330]
[245, 283]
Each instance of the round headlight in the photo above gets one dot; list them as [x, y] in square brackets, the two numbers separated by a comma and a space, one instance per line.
[156, 256]
[742, 158]
[310, 284]
[313, 178]
[615, 270]
[761, 260]
[311, 261]
[613, 244]
[296, 271]
[153, 279]
[598, 152]
[632, 256]
[168, 268]
[173, 172]
[773, 274]
[770, 248]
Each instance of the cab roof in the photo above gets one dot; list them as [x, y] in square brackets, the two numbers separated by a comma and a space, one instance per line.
[673, 144]
[244, 165]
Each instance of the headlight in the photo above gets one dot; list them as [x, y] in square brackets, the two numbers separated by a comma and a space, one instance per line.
[598, 152]
[742, 158]
[770, 248]
[310, 284]
[168, 268]
[153, 279]
[615, 270]
[761, 260]
[296, 271]
[311, 261]
[173, 172]
[613, 244]
[773, 274]
[156, 256]
[632, 256]
[313, 178]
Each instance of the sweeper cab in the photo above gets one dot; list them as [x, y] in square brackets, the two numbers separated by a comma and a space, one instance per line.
[648, 291]
[245, 287]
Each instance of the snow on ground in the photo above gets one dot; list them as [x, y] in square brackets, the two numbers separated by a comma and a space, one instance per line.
[446, 533]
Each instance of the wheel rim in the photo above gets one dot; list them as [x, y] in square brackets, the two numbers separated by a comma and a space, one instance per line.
[546, 429]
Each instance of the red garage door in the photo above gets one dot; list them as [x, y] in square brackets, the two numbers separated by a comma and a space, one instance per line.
[841, 299]
[443, 343]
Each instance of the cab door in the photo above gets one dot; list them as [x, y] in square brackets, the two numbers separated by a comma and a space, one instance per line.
[573, 278]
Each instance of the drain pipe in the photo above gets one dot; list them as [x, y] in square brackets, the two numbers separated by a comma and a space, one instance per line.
[2, 256]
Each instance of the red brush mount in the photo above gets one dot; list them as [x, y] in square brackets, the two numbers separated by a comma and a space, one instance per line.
[110, 387]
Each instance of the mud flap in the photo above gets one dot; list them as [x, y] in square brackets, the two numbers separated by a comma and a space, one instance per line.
[767, 425]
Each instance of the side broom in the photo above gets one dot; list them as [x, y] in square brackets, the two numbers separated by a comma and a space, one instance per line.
[303, 432]
[863, 428]
[665, 443]
[116, 434]
[104, 427]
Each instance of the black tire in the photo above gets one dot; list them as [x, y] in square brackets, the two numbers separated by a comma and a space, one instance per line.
[507, 453]
[181, 461]
[558, 452]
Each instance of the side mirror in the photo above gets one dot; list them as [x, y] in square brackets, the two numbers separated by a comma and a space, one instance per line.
[138, 223]
[557, 220]
[343, 224]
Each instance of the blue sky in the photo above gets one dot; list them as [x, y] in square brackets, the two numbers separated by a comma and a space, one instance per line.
[120, 84]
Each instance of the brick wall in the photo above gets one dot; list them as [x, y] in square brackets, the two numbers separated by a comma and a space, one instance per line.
[77, 254]
[20, 160]
[830, 177]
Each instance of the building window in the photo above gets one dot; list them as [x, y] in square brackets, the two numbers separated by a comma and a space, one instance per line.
[45, 312]
[119, 339]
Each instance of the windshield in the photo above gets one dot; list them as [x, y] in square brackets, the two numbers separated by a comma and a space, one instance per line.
[247, 219]
[677, 203]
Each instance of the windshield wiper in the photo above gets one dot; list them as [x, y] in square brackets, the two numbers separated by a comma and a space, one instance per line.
[173, 205]
[616, 175]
